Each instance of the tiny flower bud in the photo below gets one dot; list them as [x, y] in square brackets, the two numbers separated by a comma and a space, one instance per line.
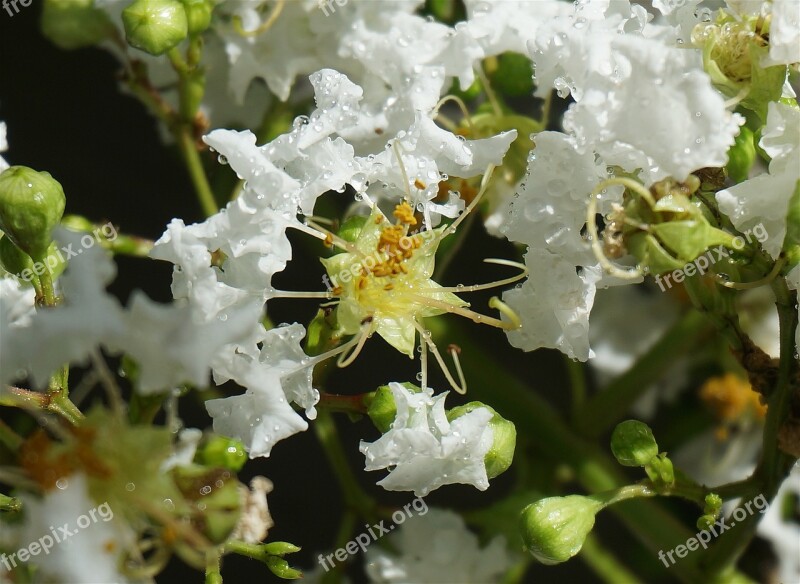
[221, 452]
[633, 444]
[31, 205]
[155, 26]
[280, 548]
[282, 569]
[554, 529]
[382, 409]
[660, 470]
[504, 435]
[198, 15]
[72, 24]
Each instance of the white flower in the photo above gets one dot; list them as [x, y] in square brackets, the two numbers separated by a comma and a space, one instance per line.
[281, 374]
[3, 146]
[424, 450]
[16, 311]
[784, 33]
[784, 533]
[255, 520]
[764, 199]
[93, 552]
[437, 547]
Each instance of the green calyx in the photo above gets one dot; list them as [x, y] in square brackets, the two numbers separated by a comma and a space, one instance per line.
[198, 15]
[15, 261]
[72, 24]
[504, 438]
[382, 408]
[221, 452]
[554, 529]
[155, 26]
[31, 205]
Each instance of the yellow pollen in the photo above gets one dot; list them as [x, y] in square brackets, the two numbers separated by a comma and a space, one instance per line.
[404, 213]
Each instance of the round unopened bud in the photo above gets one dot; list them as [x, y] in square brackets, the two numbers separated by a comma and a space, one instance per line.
[198, 15]
[504, 438]
[31, 205]
[555, 528]
[222, 452]
[155, 26]
[633, 444]
[351, 228]
[382, 409]
[72, 24]
[514, 75]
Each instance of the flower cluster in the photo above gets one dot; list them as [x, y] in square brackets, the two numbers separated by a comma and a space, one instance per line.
[600, 143]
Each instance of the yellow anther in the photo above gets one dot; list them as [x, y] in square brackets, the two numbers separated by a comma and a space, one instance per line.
[730, 398]
[404, 213]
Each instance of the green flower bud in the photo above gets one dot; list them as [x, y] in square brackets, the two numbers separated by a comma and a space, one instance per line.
[221, 452]
[31, 205]
[660, 470]
[72, 24]
[155, 26]
[713, 504]
[15, 261]
[514, 75]
[500, 455]
[633, 444]
[382, 409]
[280, 548]
[282, 569]
[705, 522]
[741, 155]
[554, 529]
[198, 15]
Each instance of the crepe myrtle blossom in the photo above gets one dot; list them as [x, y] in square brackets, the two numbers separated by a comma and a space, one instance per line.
[764, 199]
[437, 547]
[316, 155]
[426, 451]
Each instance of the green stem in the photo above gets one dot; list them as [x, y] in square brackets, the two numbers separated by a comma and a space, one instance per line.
[354, 496]
[196, 172]
[213, 571]
[57, 403]
[48, 290]
[604, 563]
[609, 406]
[774, 465]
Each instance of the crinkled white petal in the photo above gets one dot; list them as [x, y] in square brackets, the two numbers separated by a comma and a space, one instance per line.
[171, 347]
[554, 305]
[90, 555]
[784, 33]
[16, 311]
[550, 209]
[435, 546]
[425, 451]
[764, 199]
[279, 375]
